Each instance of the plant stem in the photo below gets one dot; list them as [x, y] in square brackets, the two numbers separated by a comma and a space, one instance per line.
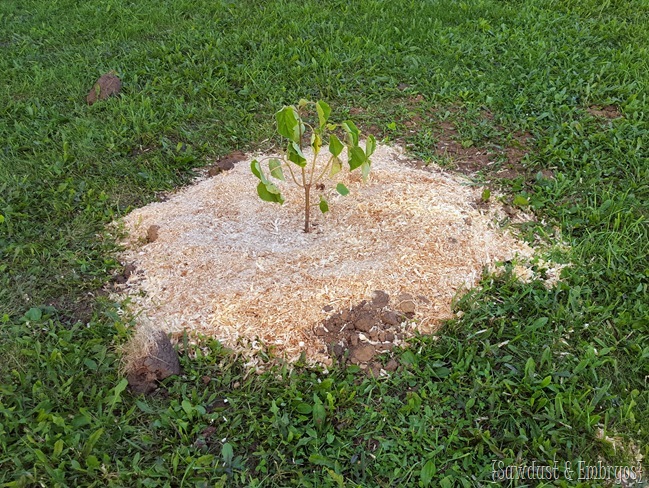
[307, 207]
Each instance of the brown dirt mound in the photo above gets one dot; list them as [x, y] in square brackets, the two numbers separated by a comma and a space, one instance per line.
[228, 265]
[107, 85]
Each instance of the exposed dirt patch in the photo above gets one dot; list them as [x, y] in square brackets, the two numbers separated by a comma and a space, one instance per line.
[121, 278]
[226, 163]
[152, 233]
[605, 112]
[372, 327]
[107, 85]
[150, 358]
[75, 310]
[467, 159]
[500, 162]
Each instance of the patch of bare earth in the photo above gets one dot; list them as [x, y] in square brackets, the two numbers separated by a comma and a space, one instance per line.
[502, 163]
[605, 112]
[383, 265]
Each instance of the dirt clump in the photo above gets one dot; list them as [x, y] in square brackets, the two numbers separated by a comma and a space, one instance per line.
[106, 86]
[151, 359]
[607, 112]
[226, 163]
[121, 278]
[367, 329]
[152, 233]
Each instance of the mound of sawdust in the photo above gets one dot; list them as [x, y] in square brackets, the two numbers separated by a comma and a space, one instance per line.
[227, 265]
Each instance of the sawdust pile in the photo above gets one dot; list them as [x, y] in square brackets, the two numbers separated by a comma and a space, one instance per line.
[227, 265]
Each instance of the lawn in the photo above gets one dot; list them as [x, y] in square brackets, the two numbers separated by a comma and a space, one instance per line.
[526, 374]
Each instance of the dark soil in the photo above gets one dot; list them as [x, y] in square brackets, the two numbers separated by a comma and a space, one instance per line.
[152, 233]
[607, 112]
[106, 86]
[370, 328]
[159, 363]
[226, 163]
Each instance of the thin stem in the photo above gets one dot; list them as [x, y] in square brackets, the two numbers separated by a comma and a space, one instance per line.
[307, 202]
[290, 169]
[325, 169]
[307, 208]
[315, 157]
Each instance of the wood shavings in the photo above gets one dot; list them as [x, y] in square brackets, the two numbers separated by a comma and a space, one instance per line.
[227, 265]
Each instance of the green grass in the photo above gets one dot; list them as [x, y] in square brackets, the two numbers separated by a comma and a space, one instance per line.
[527, 374]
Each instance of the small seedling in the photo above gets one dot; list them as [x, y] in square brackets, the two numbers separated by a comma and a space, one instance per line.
[486, 194]
[308, 175]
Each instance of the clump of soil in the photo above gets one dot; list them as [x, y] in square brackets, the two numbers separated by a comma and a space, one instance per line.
[150, 358]
[367, 329]
[106, 86]
[121, 278]
[152, 233]
[607, 112]
[226, 163]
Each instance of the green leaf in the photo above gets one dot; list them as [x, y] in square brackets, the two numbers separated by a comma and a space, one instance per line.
[546, 381]
[275, 167]
[335, 146]
[321, 460]
[356, 157]
[90, 443]
[442, 372]
[2, 218]
[521, 201]
[187, 407]
[144, 407]
[92, 462]
[486, 194]
[408, 358]
[304, 408]
[255, 167]
[530, 367]
[365, 169]
[324, 206]
[427, 472]
[446, 482]
[342, 189]
[91, 364]
[267, 196]
[227, 453]
[319, 413]
[34, 314]
[272, 188]
[121, 386]
[352, 132]
[295, 155]
[58, 448]
[288, 124]
[316, 142]
[324, 111]
[370, 146]
[336, 166]
[338, 478]
[41, 456]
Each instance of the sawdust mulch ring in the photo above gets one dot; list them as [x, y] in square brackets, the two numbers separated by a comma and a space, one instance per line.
[385, 263]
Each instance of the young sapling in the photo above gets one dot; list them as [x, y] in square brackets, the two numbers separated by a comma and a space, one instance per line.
[291, 124]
